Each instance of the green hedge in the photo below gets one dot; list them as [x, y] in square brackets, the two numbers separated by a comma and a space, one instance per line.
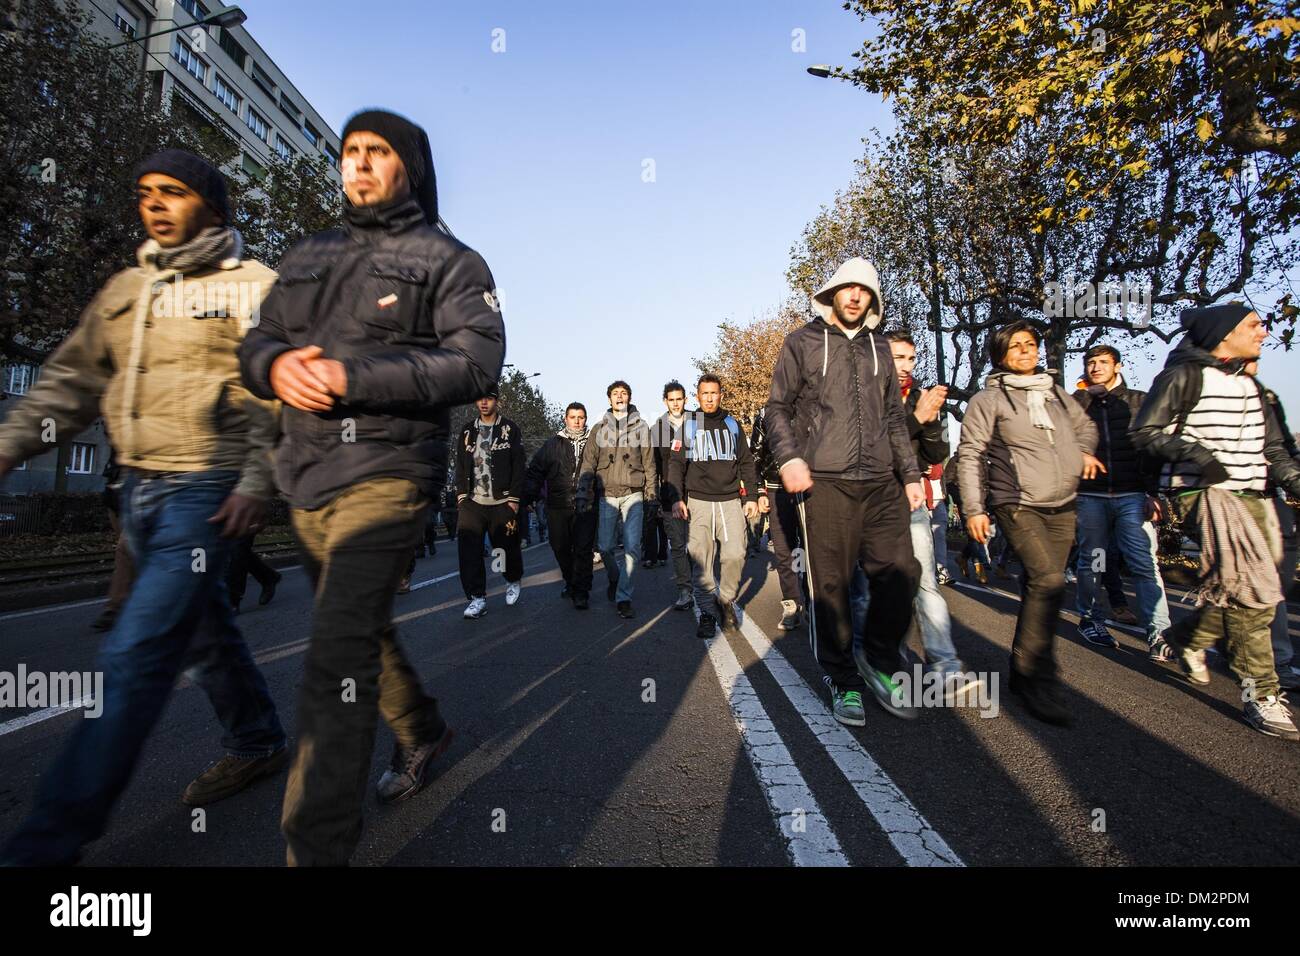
[52, 515]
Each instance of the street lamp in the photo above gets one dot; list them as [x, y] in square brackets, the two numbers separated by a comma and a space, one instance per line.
[822, 70]
[227, 19]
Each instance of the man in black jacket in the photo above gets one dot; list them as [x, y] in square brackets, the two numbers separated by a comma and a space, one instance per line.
[705, 471]
[490, 466]
[573, 534]
[372, 333]
[1117, 507]
[667, 430]
[836, 418]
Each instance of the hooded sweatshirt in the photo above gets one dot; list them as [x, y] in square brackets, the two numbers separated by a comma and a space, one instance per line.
[835, 400]
[711, 459]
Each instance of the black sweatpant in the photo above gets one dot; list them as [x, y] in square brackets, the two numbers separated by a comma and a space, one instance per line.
[1041, 537]
[783, 527]
[850, 523]
[654, 538]
[573, 539]
[502, 526]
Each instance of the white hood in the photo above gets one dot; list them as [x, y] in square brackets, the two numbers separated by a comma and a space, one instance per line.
[856, 271]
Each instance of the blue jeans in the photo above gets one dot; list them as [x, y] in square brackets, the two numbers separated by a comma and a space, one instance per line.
[176, 618]
[931, 608]
[1122, 521]
[628, 509]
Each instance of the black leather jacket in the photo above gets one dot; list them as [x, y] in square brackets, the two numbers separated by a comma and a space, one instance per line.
[1174, 393]
[411, 314]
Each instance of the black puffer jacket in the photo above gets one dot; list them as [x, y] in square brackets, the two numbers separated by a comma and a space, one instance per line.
[835, 403]
[555, 465]
[410, 312]
[1127, 470]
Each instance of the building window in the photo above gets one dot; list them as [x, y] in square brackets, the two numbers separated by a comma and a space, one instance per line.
[263, 79]
[195, 9]
[226, 93]
[287, 152]
[19, 378]
[126, 22]
[333, 155]
[309, 131]
[233, 49]
[83, 459]
[256, 124]
[251, 166]
[288, 108]
[187, 58]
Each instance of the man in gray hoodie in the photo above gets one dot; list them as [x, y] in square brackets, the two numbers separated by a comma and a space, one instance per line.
[617, 475]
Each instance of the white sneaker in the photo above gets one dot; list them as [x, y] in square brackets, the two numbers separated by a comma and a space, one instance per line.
[512, 593]
[476, 607]
[957, 685]
[1269, 716]
[1194, 666]
[684, 599]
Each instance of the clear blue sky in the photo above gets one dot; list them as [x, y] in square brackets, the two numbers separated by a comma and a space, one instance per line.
[540, 151]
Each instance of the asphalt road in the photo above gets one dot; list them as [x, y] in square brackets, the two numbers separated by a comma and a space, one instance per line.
[583, 739]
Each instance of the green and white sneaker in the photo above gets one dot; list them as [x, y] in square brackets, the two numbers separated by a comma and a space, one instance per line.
[883, 689]
[847, 707]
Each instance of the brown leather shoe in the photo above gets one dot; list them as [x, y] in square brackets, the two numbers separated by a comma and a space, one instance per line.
[229, 775]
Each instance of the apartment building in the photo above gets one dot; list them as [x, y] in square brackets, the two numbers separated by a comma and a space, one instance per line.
[221, 76]
[224, 79]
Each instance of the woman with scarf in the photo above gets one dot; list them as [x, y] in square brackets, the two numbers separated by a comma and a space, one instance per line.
[1024, 445]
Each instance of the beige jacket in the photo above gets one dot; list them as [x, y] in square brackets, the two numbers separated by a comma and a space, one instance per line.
[154, 354]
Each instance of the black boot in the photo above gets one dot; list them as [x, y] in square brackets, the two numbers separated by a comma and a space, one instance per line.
[1041, 697]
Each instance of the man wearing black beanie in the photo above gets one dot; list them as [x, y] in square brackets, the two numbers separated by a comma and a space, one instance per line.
[372, 334]
[1206, 418]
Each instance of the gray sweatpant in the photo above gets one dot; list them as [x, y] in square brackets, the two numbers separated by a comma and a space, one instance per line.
[717, 528]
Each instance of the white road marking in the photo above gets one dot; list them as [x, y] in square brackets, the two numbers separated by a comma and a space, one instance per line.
[38, 716]
[916, 841]
[806, 831]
